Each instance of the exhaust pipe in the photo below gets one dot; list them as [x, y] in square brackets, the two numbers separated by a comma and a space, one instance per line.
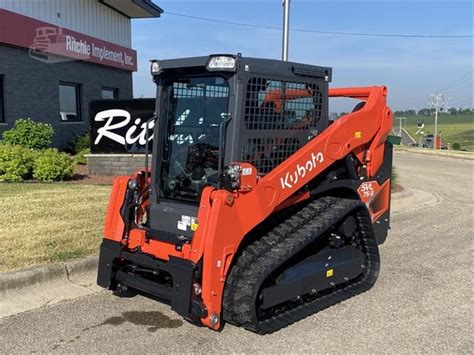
[286, 30]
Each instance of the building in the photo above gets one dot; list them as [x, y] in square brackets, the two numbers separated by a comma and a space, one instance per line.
[58, 55]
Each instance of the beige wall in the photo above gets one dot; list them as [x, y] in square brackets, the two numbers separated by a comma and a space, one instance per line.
[89, 17]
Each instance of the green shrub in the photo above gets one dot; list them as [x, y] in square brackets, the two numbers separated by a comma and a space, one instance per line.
[51, 165]
[29, 134]
[82, 143]
[16, 163]
[80, 157]
[456, 146]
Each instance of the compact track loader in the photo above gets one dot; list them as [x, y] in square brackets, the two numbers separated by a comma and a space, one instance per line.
[257, 210]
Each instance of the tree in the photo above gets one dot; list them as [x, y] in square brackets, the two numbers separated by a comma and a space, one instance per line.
[425, 111]
[453, 111]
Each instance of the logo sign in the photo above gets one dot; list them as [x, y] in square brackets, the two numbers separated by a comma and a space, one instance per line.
[367, 190]
[51, 44]
[120, 126]
[290, 179]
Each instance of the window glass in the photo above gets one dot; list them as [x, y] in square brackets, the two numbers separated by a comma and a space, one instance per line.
[197, 108]
[109, 93]
[69, 102]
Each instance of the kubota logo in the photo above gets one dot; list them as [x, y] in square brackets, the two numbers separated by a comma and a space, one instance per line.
[290, 179]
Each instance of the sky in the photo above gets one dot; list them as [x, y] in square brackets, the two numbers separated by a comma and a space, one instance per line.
[411, 68]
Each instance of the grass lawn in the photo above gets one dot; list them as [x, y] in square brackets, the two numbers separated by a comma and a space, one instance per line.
[44, 223]
[453, 128]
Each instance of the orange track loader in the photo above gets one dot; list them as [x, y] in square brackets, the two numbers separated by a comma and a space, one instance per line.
[257, 209]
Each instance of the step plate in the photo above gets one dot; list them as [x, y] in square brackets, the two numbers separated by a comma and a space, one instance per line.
[328, 268]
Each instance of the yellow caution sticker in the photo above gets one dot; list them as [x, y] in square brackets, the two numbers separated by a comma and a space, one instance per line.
[358, 134]
[194, 227]
[329, 272]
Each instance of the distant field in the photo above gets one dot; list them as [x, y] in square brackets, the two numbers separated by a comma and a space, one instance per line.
[453, 128]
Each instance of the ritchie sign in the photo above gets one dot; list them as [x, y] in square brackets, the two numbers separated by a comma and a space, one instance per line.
[121, 126]
[102, 53]
[42, 38]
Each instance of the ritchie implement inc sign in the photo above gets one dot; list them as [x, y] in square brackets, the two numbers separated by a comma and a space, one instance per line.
[103, 53]
[42, 38]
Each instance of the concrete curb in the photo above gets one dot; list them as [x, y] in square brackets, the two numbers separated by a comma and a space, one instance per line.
[35, 276]
[402, 194]
[81, 266]
[438, 153]
[411, 200]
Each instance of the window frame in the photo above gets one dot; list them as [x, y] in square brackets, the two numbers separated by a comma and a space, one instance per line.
[2, 98]
[109, 88]
[77, 87]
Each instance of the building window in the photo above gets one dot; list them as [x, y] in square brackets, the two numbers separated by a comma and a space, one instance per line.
[109, 93]
[2, 100]
[69, 102]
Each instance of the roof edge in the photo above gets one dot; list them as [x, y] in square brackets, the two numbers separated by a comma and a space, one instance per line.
[149, 6]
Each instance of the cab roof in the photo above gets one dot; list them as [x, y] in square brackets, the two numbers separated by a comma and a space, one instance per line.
[251, 65]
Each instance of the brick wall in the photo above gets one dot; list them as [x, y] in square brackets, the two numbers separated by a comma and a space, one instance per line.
[115, 164]
[31, 89]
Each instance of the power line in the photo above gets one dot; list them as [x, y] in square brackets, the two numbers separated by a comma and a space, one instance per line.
[462, 86]
[338, 33]
[463, 103]
[458, 81]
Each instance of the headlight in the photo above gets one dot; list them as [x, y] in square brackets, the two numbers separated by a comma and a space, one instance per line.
[132, 184]
[155, 67]
[221, 62]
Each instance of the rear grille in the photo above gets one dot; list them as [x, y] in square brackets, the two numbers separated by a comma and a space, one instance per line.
[282, 105]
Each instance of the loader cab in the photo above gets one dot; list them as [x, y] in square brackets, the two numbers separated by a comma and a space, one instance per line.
[216, 110]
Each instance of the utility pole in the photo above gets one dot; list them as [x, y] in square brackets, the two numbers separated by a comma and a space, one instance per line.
[401, 119]
[437, 102]
[286, 29]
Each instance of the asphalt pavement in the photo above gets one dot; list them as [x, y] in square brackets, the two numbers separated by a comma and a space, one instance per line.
[406, 138]
[420, 303]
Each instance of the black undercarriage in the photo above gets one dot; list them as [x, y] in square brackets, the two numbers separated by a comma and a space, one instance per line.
[278, 279]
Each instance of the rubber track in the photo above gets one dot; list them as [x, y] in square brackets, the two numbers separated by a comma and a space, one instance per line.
[259, 259]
